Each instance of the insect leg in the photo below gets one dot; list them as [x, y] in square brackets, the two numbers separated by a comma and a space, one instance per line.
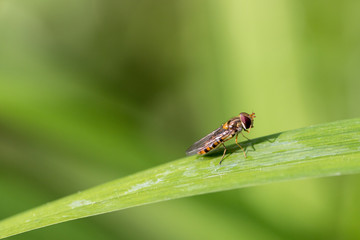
[245, 136]
[239, 144]
[223, 154]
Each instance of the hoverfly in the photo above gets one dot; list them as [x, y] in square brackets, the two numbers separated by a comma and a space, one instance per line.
[225, 132]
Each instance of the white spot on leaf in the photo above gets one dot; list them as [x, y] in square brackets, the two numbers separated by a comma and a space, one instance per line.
[190, 172]
[80, 203]
[143, 185]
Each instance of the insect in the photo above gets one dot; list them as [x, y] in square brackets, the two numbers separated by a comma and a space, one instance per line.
[224, 133]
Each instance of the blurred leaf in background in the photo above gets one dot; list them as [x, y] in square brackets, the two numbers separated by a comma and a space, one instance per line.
[91, 91]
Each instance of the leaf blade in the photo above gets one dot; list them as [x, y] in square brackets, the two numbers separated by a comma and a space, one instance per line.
[318, 151]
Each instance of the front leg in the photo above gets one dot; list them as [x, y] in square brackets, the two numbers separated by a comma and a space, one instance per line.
[245, 136]
[236, 141]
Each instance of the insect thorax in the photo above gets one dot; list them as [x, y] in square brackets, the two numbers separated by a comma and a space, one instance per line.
[233, 124]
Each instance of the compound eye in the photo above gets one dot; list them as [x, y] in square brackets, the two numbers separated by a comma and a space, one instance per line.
[246, 121]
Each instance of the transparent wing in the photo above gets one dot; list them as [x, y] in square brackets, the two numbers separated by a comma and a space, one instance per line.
[204, 142]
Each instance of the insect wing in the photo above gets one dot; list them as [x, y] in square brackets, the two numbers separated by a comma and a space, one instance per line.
[205, 141]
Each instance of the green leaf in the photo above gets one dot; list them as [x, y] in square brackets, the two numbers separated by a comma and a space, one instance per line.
[318, 151]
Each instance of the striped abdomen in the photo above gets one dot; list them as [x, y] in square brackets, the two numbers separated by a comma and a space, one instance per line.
[215, 142]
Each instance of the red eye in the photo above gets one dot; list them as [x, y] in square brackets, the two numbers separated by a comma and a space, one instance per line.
[246, 121]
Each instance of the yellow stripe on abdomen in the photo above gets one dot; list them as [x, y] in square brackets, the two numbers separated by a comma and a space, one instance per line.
[208, 149]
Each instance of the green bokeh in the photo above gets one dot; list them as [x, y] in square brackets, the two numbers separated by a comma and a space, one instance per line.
[91, 91]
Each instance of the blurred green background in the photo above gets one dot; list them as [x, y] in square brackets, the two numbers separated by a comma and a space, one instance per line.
[95, 90]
